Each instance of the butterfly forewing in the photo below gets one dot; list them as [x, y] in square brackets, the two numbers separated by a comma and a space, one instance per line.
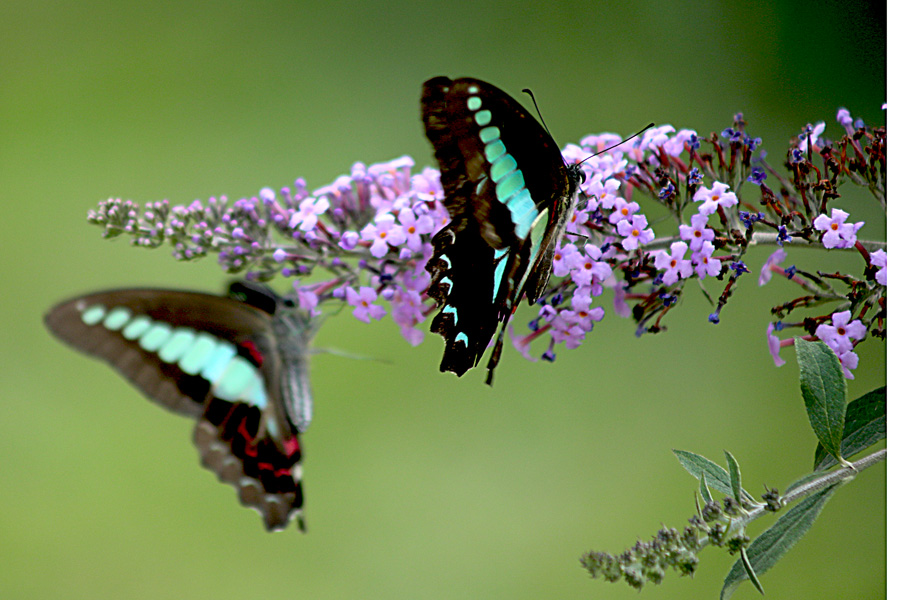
[209, 357]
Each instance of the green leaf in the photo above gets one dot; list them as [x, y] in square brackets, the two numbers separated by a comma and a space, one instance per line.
[700, 466]
[864, 424]
[773, 543]
[748, 567]
[716, 477]
[824, 392]
[734, 476]
[704, 489]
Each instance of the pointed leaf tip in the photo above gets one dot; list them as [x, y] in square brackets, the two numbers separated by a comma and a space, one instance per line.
[767, 549]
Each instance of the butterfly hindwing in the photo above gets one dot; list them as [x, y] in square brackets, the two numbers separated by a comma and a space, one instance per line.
[209, 357]
[508, 192]
[463, 274]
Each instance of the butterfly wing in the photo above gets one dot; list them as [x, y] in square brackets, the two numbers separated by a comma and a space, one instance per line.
[208, 357]
[507, 190]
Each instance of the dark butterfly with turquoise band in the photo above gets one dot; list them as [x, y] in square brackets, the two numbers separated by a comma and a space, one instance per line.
[509, 194]
[237, 364]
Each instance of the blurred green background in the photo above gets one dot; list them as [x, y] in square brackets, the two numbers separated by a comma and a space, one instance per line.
[419, 484]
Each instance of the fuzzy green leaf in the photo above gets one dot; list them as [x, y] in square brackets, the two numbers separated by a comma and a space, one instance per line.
[734, 475]
[824, 392]
[773, 543]
[716, 477]
[704, 490]
[864, 424]
[751, 574]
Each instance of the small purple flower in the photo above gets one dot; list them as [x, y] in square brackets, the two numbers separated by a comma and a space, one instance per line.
[605, 190]
[279, 255]
[563, 332]
[573, 153]
[578, 218]
[619, 305]
[563, 259]
[810, 134]
[581, 313]
[774, 345]
[713, 198]
[623, 210]
[838, 233]
[308, 300]
[675, 145]
[426, 186]
[704, 263]
[656, 137]
[748, 218]
[600, 142]
[776, 258]
[757, 176]
[693, 142]
[695, 177]
[349, 240]
[879, 259]
[364, 301]
[382, 232]
[697, 232]
[407, 311]
[521, 343]
[783, 235]
[414, 228]
[307, 214]
[547, 312]
[587, 271]
[267, 195]
[667, 192]
[635, 232]
[739, 267]
[846, 121]
[840, 334]
[675, 265]
[849, 360]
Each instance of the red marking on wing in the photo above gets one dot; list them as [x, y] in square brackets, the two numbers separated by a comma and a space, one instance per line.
[230, 412]
[291, 446]
[249, 447]
[253, 351]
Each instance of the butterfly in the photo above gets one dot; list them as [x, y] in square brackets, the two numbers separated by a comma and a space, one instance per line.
[237, 364]
[509, 194]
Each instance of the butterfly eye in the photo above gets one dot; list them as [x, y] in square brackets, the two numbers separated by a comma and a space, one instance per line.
[581, 176]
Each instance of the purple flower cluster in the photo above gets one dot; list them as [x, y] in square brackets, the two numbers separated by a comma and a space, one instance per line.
[365, 238]
[839, 336]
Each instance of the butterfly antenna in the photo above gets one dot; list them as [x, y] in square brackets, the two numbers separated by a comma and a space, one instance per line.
[630, 137]
[540, 116]
[350, 355]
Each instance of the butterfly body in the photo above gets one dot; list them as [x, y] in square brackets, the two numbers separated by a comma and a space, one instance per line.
[239, 367]
[509, 194]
